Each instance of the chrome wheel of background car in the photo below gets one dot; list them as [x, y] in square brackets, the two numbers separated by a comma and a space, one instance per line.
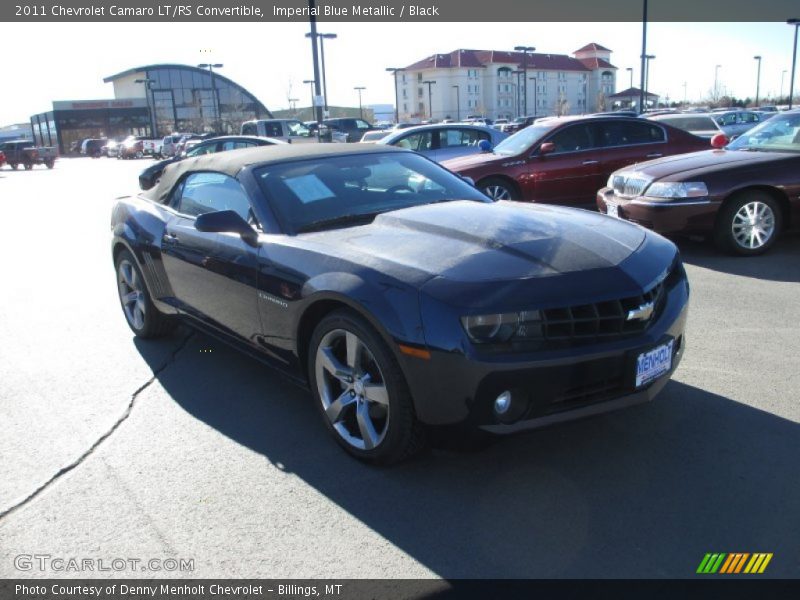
[497, 192]
[753, 225]
[131, 294]
[352, 389]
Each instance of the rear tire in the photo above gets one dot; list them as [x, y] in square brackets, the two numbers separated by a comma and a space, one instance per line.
[28, 166]
[361, 392]
[748, 224]
[498, 189]
[50, 163]
[13, 165]
[142, 316]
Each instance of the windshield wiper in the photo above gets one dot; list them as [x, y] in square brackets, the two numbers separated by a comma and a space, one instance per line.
[337, 221]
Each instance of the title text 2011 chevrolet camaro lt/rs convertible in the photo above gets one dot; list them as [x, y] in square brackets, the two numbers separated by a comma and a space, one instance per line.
[400, 294]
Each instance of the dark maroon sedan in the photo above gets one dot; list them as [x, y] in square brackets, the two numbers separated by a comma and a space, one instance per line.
[566, 160]
[744, 195]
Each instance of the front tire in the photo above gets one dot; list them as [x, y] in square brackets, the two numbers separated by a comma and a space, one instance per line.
[498, 189]
[142, 316]
[749, 224]
[361, 392]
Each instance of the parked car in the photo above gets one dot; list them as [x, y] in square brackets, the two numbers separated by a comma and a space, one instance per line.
[169, 145]
[517, 124]
[354, 128]
[93, 147]
[443, 142]
[23, 152]
[287, 130]
[371, 137]
[150, 176]
[565, 160]
[402, 296]
[498, 123]
[131, 147]
[731, 123]
[2, 158]
[744, 195]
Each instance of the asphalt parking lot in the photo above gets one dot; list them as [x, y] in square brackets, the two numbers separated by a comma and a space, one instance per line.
[112, 447]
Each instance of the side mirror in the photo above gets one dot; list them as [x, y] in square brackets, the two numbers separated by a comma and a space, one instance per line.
[719, 141]
[546, 148]
[226, 221]
[485, 145]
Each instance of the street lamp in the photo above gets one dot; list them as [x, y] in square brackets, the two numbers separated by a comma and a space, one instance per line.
[148, 84]
[458, 102]
[323, 37]
[642, 56]
[535, 95]
[630, 70]
[647, 58]
[518, 94]
[215, 102]
[758, 77]
[429, 83]
[716, 82]
[311, 83]
[796, 23]
[393, 71]
[359, 89]
[525, 50]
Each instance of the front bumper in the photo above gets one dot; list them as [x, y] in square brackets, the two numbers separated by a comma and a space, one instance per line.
[460, 387]
[681, 216]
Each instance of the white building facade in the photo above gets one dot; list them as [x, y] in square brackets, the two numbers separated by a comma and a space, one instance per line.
[494, 84]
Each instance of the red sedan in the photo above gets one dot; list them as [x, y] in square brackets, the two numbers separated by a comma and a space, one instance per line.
[566, 160]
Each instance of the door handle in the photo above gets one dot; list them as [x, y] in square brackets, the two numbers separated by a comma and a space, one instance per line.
[590, 162]
[171, 236]
[654, 155]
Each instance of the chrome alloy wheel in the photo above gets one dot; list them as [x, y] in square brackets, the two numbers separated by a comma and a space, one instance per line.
[753, 225]
[497, 192]
[131, 294]
[352, 389]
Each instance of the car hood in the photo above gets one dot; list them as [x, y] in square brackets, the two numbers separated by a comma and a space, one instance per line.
[458, 245]
[462, 163]
[680, 166]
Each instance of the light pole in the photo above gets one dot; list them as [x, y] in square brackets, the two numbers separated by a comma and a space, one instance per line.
[429, 83]
[796, 23]
[518, 94]
[630, 70]
[312, 20]
[148, 85]
[359, 89]
[458, 102]
[322, 37]
[716, 83]
[648, 58]
[643, 55]
[311, 84]
[758, 77]
[535, 95]
[525, 50]
[215, 100]
[783, 74]
[394, 71]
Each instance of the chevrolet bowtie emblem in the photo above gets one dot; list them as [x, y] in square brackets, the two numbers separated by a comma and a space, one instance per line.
[642, 313]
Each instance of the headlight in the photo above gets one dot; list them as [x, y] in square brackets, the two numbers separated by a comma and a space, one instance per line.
[503, 327]
[672, 189]
[613, 178]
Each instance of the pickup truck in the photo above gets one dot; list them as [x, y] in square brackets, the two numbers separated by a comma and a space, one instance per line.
[152, 148]
[22, 152]
[289, 130]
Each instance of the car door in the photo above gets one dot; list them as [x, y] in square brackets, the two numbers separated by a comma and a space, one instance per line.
[569, 174]
[213, 274]
[624, 142]
[418, 141]
[458, 141]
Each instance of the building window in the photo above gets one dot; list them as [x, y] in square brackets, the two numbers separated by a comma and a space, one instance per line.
[419, 76]
[562, 76]
[403, 78]
[419, 92]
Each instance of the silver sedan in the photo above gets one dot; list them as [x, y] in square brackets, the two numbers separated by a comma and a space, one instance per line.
[445, 141]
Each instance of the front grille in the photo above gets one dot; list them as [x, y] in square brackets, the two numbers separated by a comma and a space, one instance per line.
[629, 187]
[601, 319]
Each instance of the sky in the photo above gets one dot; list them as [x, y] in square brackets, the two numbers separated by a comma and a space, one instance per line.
[271, 60]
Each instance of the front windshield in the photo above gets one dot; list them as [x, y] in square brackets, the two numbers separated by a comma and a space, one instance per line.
[780, 134]
[523, 139]
[324, 192]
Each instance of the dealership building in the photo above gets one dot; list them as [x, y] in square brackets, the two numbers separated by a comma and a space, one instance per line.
[152, 101]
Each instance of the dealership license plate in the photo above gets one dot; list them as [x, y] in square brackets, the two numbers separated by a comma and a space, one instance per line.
[612, 209]
[653, 363]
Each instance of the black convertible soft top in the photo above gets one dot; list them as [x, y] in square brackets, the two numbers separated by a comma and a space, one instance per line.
[233, 161]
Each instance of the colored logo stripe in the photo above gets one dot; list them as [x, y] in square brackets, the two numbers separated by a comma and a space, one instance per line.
[734, 563]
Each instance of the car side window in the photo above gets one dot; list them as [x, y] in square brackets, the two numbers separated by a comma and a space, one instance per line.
[453, 138]
[626, 133]
[211, 192]
[362, 124]
[273, 129]
[418, 142]
[249, 129]
[572, 139]
[234, 145]
[202, 149]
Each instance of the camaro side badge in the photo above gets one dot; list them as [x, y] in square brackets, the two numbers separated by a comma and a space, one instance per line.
[643, 313]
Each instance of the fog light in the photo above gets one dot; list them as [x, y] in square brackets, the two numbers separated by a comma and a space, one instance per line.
[502, 403]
